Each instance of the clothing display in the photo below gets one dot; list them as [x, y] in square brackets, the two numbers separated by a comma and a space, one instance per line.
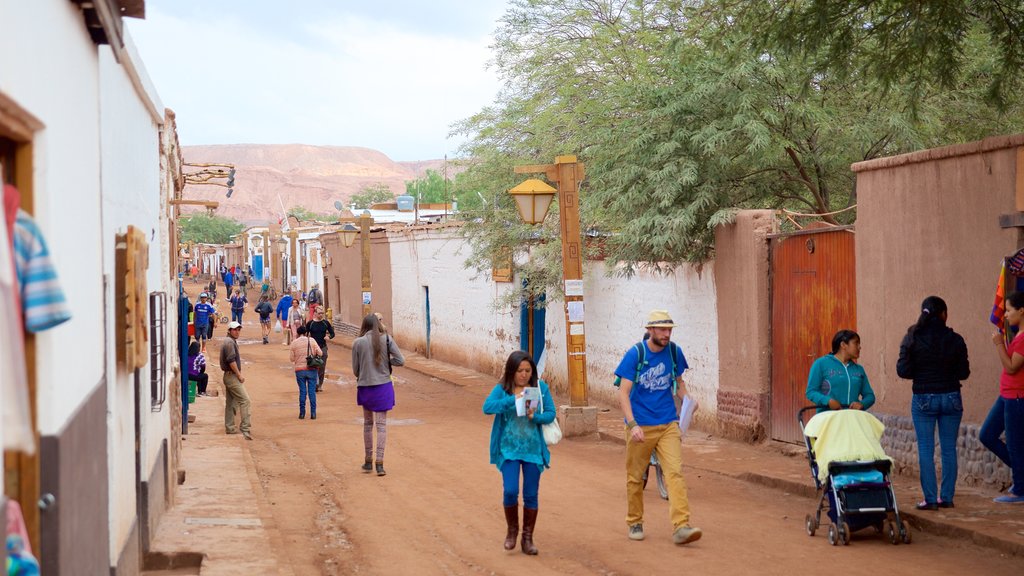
[14, 402]
[43, 301]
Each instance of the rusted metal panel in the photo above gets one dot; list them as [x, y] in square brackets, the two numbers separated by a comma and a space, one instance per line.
[813, 279]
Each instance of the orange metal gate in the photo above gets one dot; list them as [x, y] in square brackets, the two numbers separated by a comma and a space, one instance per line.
[814, 295]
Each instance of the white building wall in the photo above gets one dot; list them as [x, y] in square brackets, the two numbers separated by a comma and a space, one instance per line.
[131, 196]
[51, 70]
[466, 328]
[616, 309]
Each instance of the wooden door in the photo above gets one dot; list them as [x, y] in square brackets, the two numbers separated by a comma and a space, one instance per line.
[813, 295]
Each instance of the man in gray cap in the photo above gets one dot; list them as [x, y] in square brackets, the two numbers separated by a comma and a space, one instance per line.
[236, 398]
[651, 373]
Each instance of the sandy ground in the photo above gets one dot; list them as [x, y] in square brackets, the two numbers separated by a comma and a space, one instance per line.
[438, 510]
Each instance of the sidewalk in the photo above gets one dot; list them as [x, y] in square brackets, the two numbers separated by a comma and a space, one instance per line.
[216, 526]
[784, 467]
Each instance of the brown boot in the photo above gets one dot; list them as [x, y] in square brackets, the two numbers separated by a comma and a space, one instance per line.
[529, 521]
[512, 520]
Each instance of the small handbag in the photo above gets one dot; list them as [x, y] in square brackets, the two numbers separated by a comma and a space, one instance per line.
[312, 362]
[551, 431]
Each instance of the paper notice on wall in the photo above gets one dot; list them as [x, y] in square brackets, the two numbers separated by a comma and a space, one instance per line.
[575, 311]
[366, 298]
[576, 329]
[574, 287]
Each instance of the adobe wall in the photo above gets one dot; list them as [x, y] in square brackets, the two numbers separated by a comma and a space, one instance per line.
[741, 275]
[928, 223]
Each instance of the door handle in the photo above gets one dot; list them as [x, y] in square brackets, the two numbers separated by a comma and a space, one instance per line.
[46, 501]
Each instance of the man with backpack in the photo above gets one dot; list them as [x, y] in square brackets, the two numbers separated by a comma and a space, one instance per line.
[649, 376]
[314, 300]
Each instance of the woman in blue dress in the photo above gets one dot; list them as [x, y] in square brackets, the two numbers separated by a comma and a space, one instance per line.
[517, 444]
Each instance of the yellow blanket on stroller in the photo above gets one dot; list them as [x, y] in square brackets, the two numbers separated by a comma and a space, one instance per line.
[844, 436]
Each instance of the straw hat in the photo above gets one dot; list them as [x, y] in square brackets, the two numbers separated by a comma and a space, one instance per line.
[659, 319]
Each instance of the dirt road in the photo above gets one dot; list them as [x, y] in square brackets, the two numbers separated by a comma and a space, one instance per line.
[438, 509]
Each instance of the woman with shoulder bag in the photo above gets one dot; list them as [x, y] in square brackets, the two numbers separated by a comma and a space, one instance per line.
[372, 357]
[935, 358]
[304, 349]
[518, 448]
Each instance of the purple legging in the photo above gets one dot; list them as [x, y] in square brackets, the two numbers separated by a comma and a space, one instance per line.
[381, 419]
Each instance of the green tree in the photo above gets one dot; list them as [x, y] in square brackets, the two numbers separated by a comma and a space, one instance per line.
[920, 43]
[303, 214]
[372, 194]
[431, 188]
[680, 123]
[207, 229]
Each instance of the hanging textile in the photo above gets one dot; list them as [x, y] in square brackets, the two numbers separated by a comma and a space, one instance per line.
[20, 561]
[15, 419]
[42, 299]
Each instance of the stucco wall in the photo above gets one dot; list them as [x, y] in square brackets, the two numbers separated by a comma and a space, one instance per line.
[66, 178]
[465, 326]
[345, 277]
[616, 310]
[741, 270]
[130, 196]
[928, 224]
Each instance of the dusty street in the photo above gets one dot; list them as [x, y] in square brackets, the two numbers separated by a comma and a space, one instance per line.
[438, 509]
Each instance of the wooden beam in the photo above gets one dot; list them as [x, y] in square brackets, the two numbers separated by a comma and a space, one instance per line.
[1014, 220]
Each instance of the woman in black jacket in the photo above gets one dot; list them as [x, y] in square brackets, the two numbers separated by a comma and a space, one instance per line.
[935, 358]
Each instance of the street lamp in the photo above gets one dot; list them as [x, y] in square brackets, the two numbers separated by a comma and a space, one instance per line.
[348, 235]
[533, 198]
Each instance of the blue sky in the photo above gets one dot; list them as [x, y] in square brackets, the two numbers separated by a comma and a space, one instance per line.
[391, 75]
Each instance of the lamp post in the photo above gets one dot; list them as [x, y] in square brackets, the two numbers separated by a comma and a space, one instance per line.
[348, 235]
[533, 198]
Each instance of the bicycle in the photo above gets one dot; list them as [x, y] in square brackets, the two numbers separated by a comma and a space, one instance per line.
[659, 475]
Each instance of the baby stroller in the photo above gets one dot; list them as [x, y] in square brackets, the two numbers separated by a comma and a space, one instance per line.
[855, 487]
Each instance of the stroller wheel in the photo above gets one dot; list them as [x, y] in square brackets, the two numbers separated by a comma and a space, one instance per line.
[890, 530]
[844, 533]
[904, 532]
[810, 525]
[832, 536]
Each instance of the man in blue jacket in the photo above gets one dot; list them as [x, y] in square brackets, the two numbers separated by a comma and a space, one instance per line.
[283, 306]
[836, 380]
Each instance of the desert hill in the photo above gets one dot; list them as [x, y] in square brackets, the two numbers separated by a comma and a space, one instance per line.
[313, 177]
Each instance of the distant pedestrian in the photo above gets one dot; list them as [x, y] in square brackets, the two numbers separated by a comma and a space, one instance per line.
[197, 368]
[1007, 414]
[295, 319]
[195, 274]
[284, 306]
[264, 309]
[238, 302]
[314, 300]
[647, 395]
[320, 330]
[372, 356]
[211, 291]
[203, 315]
[935, 358]
[517, 444]
[229, 282]
[243, 281]
[306, 376]
[236, 398]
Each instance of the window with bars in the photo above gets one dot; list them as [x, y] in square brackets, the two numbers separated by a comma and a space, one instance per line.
[157, 350]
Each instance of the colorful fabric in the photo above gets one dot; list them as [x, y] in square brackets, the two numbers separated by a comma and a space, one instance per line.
[42, 299]
[196, 364]
[999, 307]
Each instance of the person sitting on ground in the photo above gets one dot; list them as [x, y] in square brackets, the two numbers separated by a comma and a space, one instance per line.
[197, 368]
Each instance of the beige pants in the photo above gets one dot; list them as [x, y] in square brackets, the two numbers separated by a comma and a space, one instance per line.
[667, 443]
[236, 399]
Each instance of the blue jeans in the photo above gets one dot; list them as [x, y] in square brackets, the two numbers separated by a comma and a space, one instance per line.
[236, 315]
[510, 481]
[307, 385]
[1007, 415]
[946, 410]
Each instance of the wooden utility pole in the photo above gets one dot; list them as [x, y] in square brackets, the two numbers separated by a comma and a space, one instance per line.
[364, 237]
[566, 173]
